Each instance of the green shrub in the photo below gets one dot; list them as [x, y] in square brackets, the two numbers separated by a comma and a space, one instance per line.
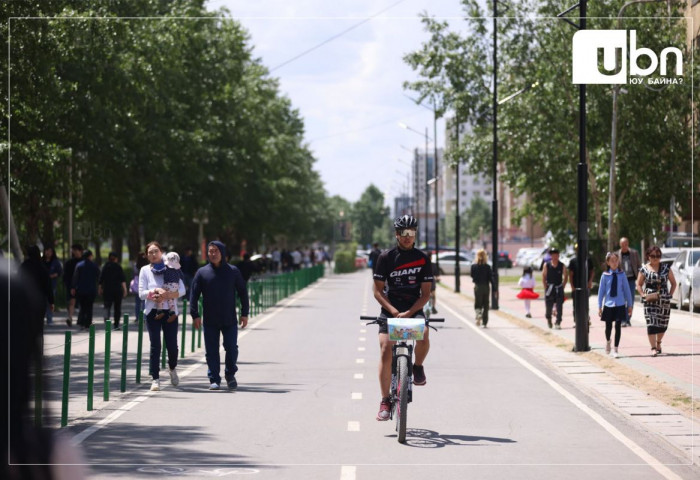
[345, 258]
[344, 261]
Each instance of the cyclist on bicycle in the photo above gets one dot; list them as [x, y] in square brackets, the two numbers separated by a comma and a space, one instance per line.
[402, 280]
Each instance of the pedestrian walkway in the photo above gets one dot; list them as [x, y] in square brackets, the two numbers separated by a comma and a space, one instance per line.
[658, 392]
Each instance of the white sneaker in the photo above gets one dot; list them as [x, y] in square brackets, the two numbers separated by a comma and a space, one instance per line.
[214, 386]
[155, 385]
[615, 354]
[174, 379]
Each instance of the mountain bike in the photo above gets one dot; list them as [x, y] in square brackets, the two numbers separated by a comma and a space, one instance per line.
[405, 332]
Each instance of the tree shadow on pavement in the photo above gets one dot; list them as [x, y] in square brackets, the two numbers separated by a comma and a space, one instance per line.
[430, 439]
[128, 446]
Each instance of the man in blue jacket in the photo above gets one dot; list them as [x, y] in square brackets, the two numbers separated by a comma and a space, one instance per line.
[218, 283]
[85, 288]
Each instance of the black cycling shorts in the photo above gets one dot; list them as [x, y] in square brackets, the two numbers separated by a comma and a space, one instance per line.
[384, 327]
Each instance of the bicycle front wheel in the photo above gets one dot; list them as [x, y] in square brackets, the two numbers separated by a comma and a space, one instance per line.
[402, 400]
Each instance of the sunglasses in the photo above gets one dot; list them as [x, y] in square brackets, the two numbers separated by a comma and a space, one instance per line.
[654, 256]
[407, 233]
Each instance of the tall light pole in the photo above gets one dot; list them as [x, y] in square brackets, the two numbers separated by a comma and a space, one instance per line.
[201, 219]
[494, 202]
[581, 293]
[437, 208]
[616, 89]
[435, 149]
[427, 174]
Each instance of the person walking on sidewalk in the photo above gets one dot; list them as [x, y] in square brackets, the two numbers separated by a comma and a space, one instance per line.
[218, 283]
[614, 300]
[76, 251]
[152, 292]
[652, 285]
[554, 277]
[482, 275]
[35, 275]
[85, 288]
[53, 266]
[112, 287]
[373, 256]
[527, 294]
[630, 264]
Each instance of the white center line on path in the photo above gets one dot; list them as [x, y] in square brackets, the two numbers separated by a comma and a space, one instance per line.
[361, 349]
[634, 447]
[353, 426]
[363, 330]
[356, 395]
[358, 376]
[360, 360]
[362, 339]
[82, 436]
[347, 472]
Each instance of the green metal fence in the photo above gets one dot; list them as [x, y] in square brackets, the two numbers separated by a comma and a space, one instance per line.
[264, 292]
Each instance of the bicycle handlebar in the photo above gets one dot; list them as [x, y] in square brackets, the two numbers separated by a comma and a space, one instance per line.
[379, 319]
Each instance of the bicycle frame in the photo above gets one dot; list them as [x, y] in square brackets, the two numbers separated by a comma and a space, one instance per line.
[402, 348]
[401, 392]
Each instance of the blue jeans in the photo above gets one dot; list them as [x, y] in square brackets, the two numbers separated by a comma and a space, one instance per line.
[633, 290]
[170, 330]
[211, 343]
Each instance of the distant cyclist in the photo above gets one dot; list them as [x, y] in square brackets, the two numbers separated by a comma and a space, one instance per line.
[402, 280]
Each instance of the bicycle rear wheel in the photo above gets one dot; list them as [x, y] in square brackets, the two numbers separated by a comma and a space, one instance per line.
[402, 400]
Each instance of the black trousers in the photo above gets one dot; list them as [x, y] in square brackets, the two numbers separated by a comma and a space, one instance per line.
[116, 300]
[86, 302]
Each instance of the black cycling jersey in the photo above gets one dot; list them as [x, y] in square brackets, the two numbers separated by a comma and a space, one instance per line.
[403, 271]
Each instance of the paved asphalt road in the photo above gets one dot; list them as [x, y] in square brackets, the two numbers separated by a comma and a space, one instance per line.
[308, 396]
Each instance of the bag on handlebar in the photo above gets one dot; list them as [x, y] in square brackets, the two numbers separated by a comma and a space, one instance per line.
[406, 328]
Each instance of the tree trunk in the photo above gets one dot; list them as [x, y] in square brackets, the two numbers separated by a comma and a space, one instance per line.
[134, 241]
[118, 245]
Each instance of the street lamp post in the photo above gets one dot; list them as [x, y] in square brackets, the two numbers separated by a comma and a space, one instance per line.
[581, 293]
[437, 208]
[202, 219]
[427, 188]
[494, 202]
[427, 174]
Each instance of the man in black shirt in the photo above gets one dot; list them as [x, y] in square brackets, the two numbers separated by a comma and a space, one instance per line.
[373, 256]
[554, 277]
[402, 280]
[112, 287]
[76, 251]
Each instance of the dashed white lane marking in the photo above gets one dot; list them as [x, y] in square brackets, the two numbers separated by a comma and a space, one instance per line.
[356, 395]
[360, 360]
[361, 349]
[347, 472]
[358, 376]
[363, 330]
[79, 438]
[353, 426]
[634, 447]
[362, 339]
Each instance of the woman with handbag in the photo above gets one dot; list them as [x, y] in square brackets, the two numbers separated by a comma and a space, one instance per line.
[652, 285]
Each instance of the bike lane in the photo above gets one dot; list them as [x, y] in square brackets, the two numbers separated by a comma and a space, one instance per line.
[308, 398]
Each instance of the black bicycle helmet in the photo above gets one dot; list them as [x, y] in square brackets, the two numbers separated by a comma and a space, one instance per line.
[407, 221]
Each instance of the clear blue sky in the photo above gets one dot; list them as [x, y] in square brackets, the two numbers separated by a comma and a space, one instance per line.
[348, 90]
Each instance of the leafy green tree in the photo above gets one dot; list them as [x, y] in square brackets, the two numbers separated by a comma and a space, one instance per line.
[368, 214]
[148, 122]
[538, 129]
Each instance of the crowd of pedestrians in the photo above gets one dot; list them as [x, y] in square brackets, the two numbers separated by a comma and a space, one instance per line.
[159, 279]
[623, 276]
